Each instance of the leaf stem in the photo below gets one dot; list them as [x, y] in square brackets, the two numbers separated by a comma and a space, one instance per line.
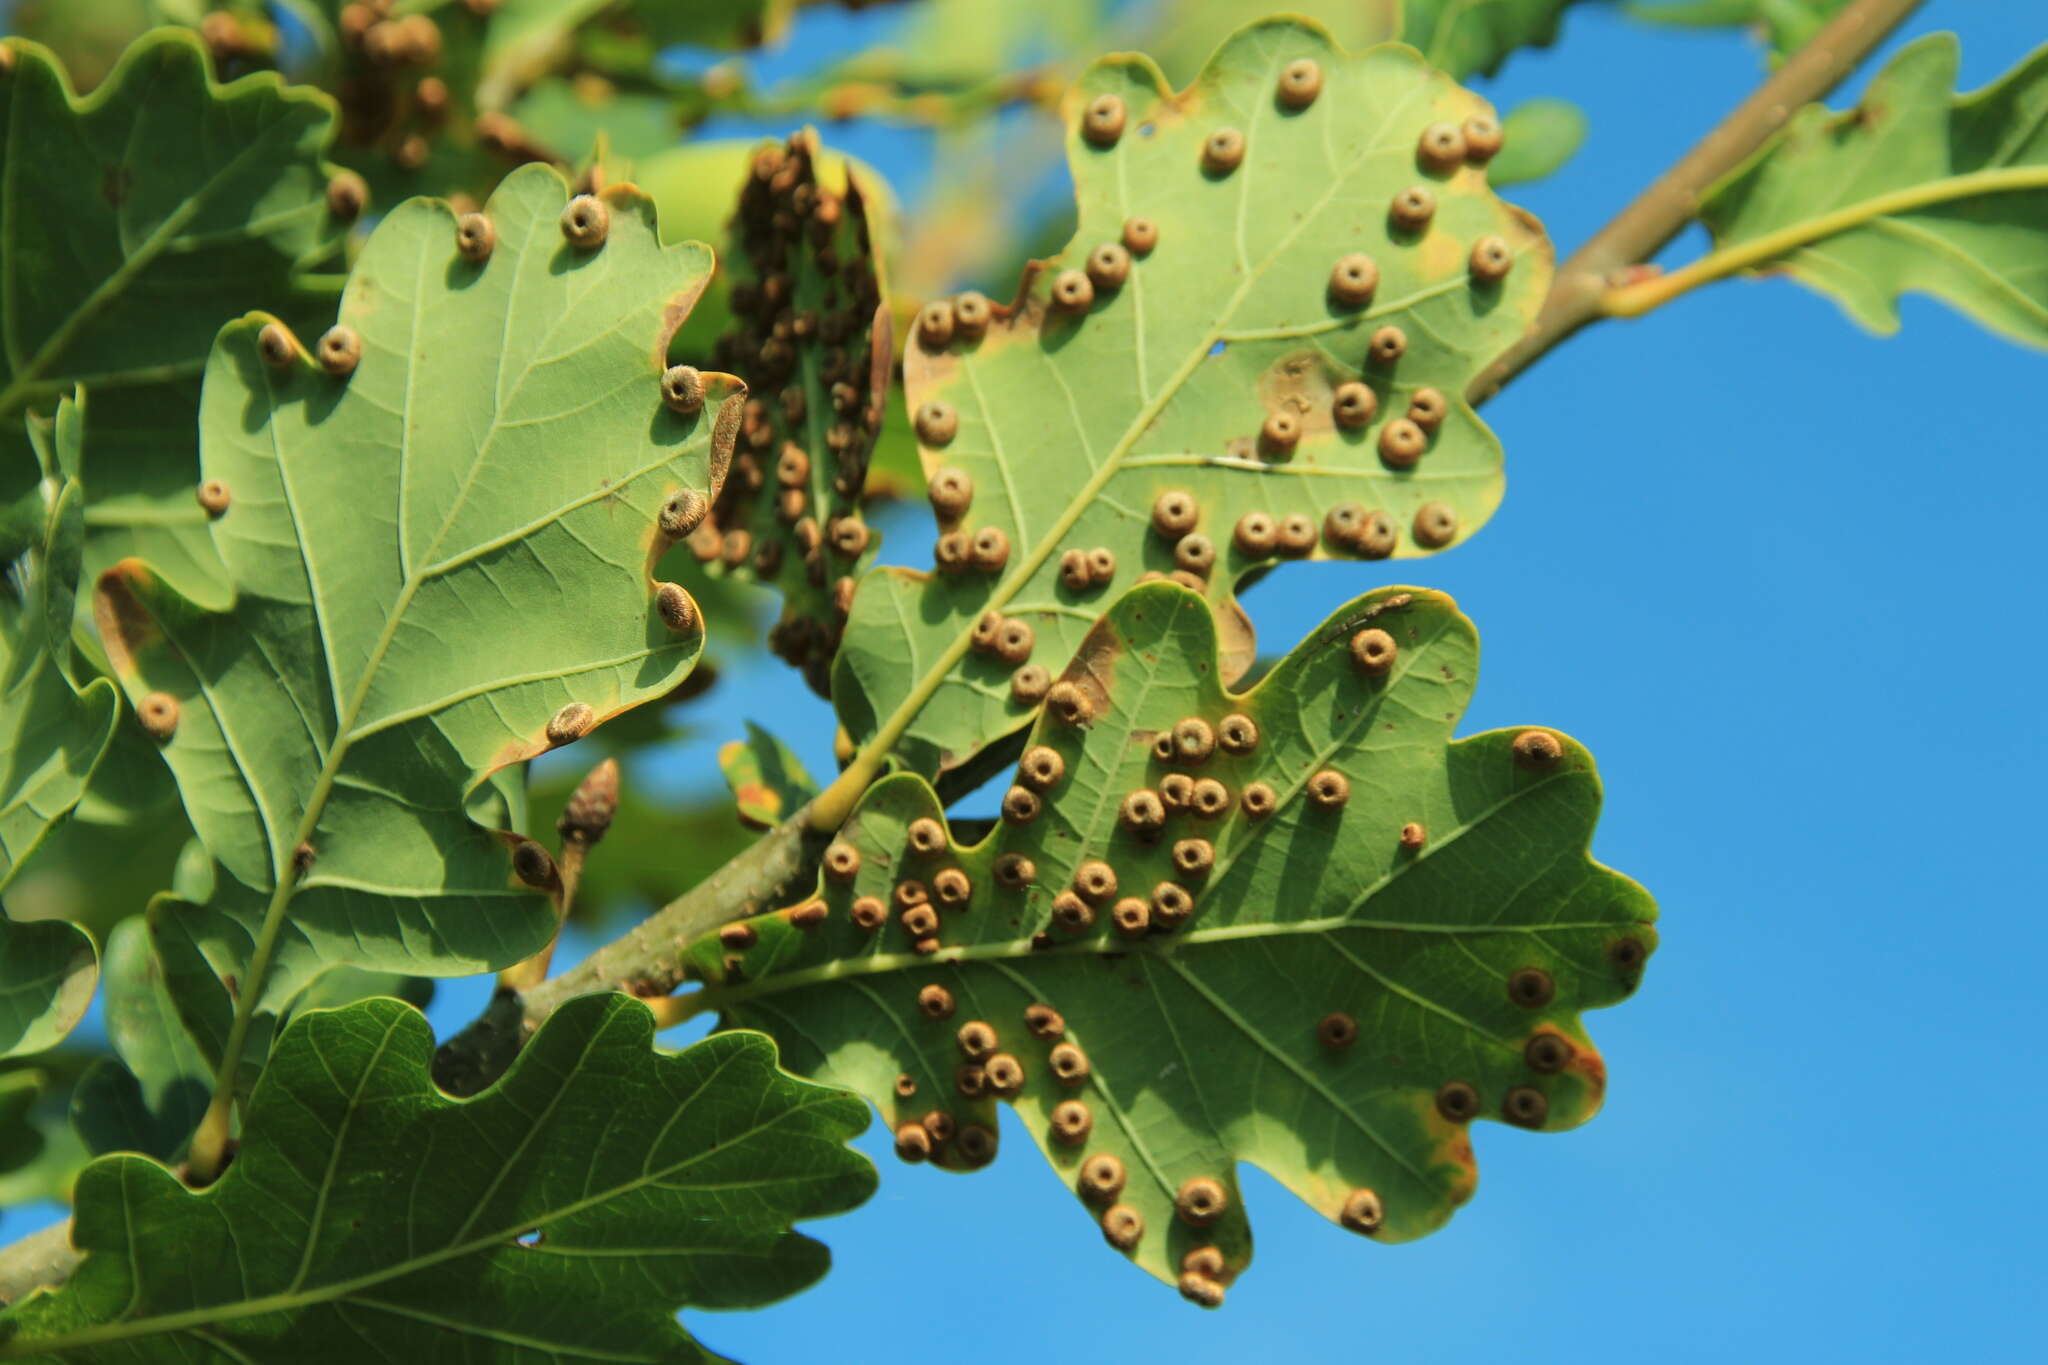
[1633, 300]
[1578, 294]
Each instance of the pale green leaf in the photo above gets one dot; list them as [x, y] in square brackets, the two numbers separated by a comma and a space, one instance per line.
[1071, 427]
[1460, 37]
[564, 1214]
[1540, 135]
[1783, 25]
[442, 558]
[1915, 190]
[1461, 952]
[768, 781]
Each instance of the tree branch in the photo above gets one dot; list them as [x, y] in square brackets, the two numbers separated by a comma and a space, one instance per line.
[1662, 211]
[37, 1260]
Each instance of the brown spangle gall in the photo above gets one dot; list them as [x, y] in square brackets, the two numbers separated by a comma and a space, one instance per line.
[940, 1125]
[1201, 1202]
[1412, 208]
[1362, 1212]
[982, 638]
[571, 723]
[1043, 1021]
[1531, 987]
[347, 196]
[682, 512]
[976, 1144]
[1177, 790]
[935, 325]
[1207, 1262]
[905, 1086]
[1195, 554]
[1131, 916]
[971, 315]
[977, 1040]
[1525, 1106]
[1254, 534]
[1388, 345]
[1071, 1123]
[586, 222]
[1193, 857]
[678, 611]
[1403, 443]
[1413, 836]
[276, 345]
[1171, 905]
[970, 1080]
[1005, 1075]
[1201, 1290]
[214, 497]
[809, 915]
[1435, 525]
[1537, 749]
[1373, 651]
[913, 1143]
[1015, 871]
[1441, 147]
[868, 912]
[920, 921]
[1095, 880]
[911, 891]
[1174, 514]
[1427, 408]
[1162, 746]
[1122, 1226]
[1193, 582]
[1194, 739]
[158, 713]
[1329, 789]
[1628, 954]
[1483, 138]
[1491, 260]
[842, 597]
[1041, 767]
[937, 424]
[1074, 572]
[1376, 536]
[1457, 1101]
[1021, 806]
[1222, 151]
[1102, 123]
[1210, 799]
[1101, 564]
[1142, 813]
[1300, 82]
[1072, 913]
[952, 492]
[1296, 536]
[1237, 733]
[1014, 641]
[925, 836]
[1336, 1031]
[1109, 265]
[767, 558]
[737, 937]
[1029, 684]
[1341, 525]
[1547, 1052]
[1141, 235]
[535, 866]
[953, 888]
[475, 238]
[1353, 404]
[950, 554]
[849, 537]
[1069, 704]
[1280, 432]
[935, 1002]
[1102, 1179]
[1072, 291]
[1353, 280]
[1259, 800]
[1068, 1064]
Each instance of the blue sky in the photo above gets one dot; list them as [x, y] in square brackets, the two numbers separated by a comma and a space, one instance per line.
[1748, 556]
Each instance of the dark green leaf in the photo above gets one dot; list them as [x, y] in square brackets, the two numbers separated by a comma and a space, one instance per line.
[150, 1099]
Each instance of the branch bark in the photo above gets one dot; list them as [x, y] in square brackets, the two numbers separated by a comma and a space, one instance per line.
[1662, 211]
[40, 1259]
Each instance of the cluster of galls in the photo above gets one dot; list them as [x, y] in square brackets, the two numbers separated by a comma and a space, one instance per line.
[390, 97]
[805, 337]
[987, 1069]
[916, 900]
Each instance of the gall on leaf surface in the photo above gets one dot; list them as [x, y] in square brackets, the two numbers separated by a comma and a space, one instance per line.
[53, 735]
[138, 219]
[1436, 894]
[1458, 37]
[812, 334]
[441, 558]
[1915, 190]
[566, 1213]
[1072, 423]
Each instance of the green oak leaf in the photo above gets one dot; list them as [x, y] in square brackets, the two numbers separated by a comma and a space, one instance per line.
[566, 1213]
[1071, 428]
[1460, 37]
[40, 1155]
[812, 333]
[1784, 25]
[1916, 189]
[768, 781]
[1334, 934]
[1541, 135]
[444, 560]
[150, 1096]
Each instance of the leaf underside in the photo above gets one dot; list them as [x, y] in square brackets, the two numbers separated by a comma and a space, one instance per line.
[1453, 953]
[1979, 162]
[490, 474]
[1072, 425]
[564, 1214]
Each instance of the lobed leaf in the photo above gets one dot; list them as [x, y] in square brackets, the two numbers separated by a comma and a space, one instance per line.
[1916, 189]
[149, 1096]
[768, 781]
[812, 332]
[1330, 935]
[1211, 374]
[494, 470]
[1460, 37]
[568, 1211]
[1783, 25]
